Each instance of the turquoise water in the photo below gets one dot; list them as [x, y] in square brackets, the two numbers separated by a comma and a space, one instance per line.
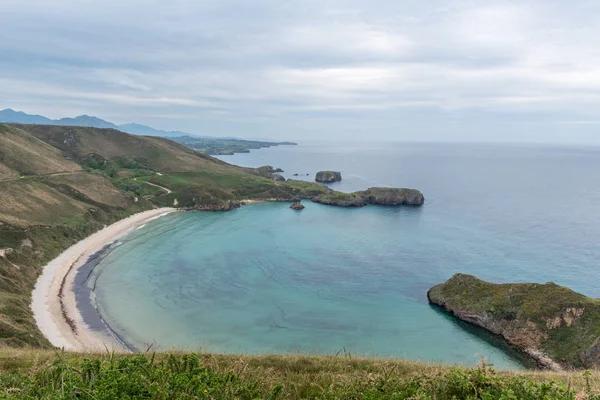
[265, 279]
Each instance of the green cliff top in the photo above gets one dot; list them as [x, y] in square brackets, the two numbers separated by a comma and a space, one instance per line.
[563, 324]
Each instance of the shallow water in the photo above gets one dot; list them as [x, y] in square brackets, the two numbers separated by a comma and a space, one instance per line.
[265, 278]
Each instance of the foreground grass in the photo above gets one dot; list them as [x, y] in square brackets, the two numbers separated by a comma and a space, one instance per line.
[60, 375]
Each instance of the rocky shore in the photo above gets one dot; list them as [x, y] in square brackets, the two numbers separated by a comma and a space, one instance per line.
[551, 324]
[377, 196]
[328, 176]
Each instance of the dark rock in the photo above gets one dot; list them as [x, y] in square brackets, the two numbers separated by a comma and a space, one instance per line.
[278, 178]
[392, 196]
[328, 176]
[295, 174]
[227, 205]
[297, 206]
[340, 199]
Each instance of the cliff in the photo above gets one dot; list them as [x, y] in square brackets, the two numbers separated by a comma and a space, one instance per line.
[379, 196]
[328, 176]
[553, 325]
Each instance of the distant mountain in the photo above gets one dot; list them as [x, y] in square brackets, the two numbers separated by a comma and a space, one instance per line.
[138, 129]
[86, 120]
[20, 117]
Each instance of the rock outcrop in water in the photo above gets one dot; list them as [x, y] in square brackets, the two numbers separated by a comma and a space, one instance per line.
[551, 324]
[328, 176]
[340, 199]
[393, 196]
[297, 206]
[379, 196]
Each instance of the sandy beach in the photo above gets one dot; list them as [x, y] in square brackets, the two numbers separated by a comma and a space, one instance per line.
[53, 300]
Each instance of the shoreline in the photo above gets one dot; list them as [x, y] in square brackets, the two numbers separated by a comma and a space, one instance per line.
[53, 299]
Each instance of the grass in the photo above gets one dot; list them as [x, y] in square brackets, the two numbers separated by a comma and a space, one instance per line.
[76, 180]
[537, 315]
[60, 375]
[43, 214]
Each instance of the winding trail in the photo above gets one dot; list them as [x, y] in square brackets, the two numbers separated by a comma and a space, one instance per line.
[153, 184]
[43, 175]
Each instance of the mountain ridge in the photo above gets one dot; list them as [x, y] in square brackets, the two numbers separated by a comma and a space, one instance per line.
[9, 115]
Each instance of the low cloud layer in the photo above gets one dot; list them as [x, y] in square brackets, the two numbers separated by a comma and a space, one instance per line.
[304, 69]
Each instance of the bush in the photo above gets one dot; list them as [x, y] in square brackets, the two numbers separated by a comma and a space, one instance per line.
[184, 377]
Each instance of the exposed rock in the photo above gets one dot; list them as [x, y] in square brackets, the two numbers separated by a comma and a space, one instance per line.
[380, 196]
[340, 199]
[267, 170]
[392, 196]
[328, 176]
[5, 252]
[551, 324]
[297, 206]
[227, 205]
[278, 178]
[295, 174]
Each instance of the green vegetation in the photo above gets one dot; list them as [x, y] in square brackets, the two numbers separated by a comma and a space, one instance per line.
[328, 176]
[214, 146]
[60, 184]
[562, 324]
[39, 374]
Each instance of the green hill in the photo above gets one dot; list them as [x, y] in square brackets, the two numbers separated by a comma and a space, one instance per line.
[550, 323]
[60, 184]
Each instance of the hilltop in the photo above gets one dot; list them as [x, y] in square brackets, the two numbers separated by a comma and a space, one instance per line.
[549, 323]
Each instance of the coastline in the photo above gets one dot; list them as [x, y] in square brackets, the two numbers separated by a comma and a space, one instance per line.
[54, 303]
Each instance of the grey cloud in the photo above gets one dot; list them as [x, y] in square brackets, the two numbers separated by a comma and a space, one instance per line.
[470, 70]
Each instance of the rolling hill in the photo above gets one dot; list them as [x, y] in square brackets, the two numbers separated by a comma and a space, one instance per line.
[59, 184]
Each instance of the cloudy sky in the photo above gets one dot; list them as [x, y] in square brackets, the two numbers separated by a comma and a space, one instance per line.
[312, 69]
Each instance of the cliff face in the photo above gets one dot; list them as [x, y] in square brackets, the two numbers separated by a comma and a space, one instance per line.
[393, 197]
[328, 176]
[380, 196]
[551, 324]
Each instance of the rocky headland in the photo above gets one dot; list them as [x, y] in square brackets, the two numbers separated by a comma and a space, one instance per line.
[550, 324]
[328, 176]
[379, 196]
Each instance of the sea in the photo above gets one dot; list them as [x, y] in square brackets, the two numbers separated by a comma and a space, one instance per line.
[266, 279]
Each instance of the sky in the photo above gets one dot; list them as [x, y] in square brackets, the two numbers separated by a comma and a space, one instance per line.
[360, 70]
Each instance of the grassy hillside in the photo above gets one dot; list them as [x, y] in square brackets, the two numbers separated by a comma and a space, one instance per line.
[60, 184]
[23, 154]
[52, 375]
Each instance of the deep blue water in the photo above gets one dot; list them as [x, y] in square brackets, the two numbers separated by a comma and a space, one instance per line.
[265, 278]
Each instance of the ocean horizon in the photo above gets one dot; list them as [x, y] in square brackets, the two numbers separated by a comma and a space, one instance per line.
[267, 279]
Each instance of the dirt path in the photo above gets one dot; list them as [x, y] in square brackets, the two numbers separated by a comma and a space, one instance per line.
[153, 184]
[43, 175]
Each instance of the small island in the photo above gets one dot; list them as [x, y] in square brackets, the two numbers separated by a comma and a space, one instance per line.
[297, 205]
[378, 196]
[328, 176]
[550, 324]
